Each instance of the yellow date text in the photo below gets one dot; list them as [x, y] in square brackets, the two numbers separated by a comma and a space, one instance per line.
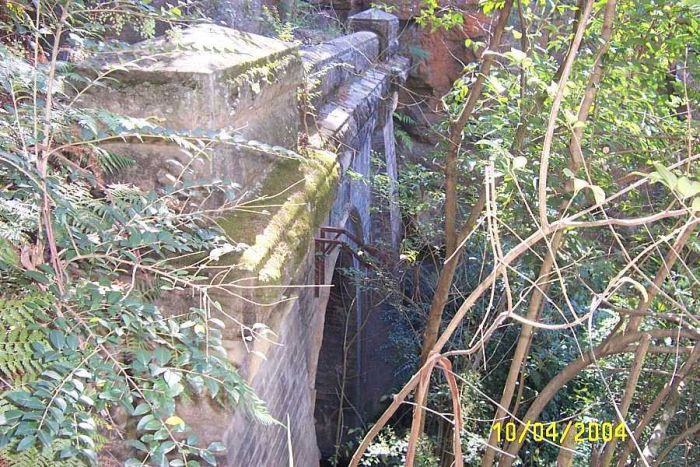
[590, 431]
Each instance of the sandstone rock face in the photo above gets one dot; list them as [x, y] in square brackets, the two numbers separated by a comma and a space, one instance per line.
[439, 56]
[243, 15]
[208, 77]
[407, 9]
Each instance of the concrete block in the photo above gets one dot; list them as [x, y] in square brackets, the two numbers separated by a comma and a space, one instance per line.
[207, 78]
[384, 24]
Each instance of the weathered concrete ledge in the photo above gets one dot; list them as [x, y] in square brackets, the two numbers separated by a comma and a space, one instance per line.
[342, 119]
[292, 202]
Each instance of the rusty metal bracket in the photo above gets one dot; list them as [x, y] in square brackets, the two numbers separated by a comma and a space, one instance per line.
[324, 246]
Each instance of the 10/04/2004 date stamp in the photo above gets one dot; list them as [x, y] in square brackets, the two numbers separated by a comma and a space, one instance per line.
[591, 431]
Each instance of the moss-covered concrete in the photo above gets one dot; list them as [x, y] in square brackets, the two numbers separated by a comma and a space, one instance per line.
[294, 199]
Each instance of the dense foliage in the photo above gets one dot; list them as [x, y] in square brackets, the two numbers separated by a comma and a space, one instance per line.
[630, 153]
[87, 359]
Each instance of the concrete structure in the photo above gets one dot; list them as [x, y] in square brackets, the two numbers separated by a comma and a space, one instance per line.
[293, 137]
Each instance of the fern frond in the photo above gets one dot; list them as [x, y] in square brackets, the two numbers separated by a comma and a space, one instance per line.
[111, 162]
[36, 457]
[17, 218]
[18, 333]
[16, 355]
[404, 138]
[404, 119]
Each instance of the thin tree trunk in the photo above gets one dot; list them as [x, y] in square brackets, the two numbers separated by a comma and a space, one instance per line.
[514, 253]
[452, 238]
[658, 402]
[657, 437]
[566, 454]
[442, 291]
[661, 276]
[652, 291]
[630, 388]
[533, 311]
[457, 127]
[676, 441]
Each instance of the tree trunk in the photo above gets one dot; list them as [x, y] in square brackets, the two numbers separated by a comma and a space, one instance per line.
[669, 261]
[635, 371]
[658, 402]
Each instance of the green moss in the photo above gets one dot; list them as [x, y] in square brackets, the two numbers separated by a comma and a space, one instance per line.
[295, 198]
[293, 246]
[243, 225]
[323, 182]
[257, 74]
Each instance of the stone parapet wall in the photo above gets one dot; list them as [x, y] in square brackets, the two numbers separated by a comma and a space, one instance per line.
[333, 63]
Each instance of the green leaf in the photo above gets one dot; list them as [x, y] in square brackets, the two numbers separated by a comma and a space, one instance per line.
[12, 415]
[162, 355]
[26, 443]
[695, 207]
[136, 444]
[687, 188]
[598, 194]
[196, 382]
[143, 421]
[519, 162]
[8, 254]
[141, 409]
[174, 420]
[217, 322]
[87, 441]
[57, 339]
[172, 378]
[90, 454]
[208, 457]
[217, 447]
[167, 446]
[18, 397]
[212, 386]
[667, 177]
[44, 438]
[82, 373]
[86, 400]
[153, 425]
[579, 184]
[25, 428]
[60, 403]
